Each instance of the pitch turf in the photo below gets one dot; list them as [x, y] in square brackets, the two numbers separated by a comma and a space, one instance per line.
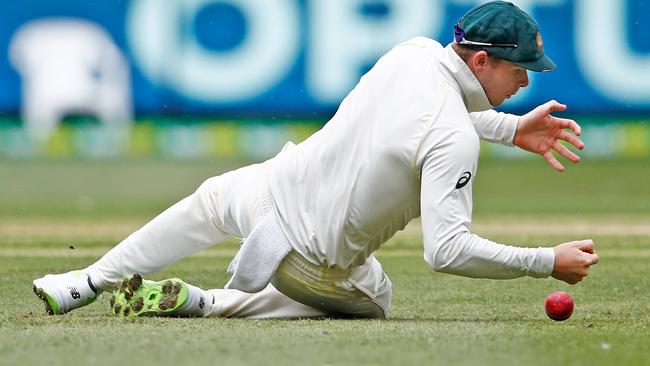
[436, 319]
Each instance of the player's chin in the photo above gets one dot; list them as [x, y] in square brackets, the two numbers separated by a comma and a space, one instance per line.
[498, 101]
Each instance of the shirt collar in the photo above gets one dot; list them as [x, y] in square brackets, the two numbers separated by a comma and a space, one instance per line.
[462, 78]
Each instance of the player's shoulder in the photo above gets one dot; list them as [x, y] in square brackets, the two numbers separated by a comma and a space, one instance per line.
[422, 42]
[417, 45]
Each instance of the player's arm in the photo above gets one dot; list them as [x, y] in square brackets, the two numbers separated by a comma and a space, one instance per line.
[449, 247]
[446, 204]
[496, 127]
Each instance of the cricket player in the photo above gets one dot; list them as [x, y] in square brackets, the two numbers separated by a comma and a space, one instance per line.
[403, 144]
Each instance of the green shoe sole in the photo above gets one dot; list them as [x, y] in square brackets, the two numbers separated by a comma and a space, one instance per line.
[134, 297]
[51, 307]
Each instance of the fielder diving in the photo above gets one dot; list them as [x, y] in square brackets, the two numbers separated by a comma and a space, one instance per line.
[403, 144]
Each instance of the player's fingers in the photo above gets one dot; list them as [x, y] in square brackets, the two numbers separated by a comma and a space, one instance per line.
[566, 152]
[553, 161]
[572, 139]
[594, 258]
[554, 106]
[570, 124]
[586, 245]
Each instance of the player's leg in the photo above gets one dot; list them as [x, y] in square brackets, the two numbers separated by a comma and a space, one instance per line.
[222, 206]
[268, 303]
[363, 291]
[173, 297]
[179, 231]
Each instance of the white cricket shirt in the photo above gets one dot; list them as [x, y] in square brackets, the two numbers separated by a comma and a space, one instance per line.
[404, 143]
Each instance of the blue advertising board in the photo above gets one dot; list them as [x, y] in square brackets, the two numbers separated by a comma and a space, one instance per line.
[299, 58]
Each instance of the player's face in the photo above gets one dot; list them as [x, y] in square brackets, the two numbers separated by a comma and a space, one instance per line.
[502, 79]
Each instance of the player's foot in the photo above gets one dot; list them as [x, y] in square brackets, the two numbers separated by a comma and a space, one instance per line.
[137, 297]
[64, 292]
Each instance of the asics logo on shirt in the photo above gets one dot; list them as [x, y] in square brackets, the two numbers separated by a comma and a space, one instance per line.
[74, 292]
[464, 179]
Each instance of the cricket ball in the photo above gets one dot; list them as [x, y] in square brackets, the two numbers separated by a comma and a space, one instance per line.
[559, 305]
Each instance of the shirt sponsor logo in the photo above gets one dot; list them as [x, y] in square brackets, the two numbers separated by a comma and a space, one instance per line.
[464, 179]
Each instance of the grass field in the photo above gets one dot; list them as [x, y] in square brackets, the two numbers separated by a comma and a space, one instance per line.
[48, 208]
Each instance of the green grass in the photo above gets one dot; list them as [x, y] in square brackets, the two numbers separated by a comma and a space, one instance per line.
[79, 188]
[436, 319]
[588, 188]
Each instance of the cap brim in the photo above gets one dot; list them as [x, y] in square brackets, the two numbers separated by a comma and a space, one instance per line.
[542, 64]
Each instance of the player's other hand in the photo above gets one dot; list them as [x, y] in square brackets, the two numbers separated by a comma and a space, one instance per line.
[540, 133]
[573, 260]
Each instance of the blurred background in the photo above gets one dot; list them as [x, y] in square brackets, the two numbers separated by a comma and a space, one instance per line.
[142, 99]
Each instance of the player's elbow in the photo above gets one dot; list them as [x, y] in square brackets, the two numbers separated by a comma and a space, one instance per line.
[438, 264]
[433, 263]
[437, 257]
[443, 254]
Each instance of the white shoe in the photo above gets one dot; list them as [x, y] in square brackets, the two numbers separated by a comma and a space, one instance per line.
[64, 292]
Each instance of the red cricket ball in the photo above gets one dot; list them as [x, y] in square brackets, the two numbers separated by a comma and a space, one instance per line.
[559, 305]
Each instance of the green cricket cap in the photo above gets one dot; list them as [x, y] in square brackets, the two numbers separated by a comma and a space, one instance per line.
[505, 31]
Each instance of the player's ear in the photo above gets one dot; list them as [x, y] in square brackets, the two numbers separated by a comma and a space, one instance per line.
[479, 60]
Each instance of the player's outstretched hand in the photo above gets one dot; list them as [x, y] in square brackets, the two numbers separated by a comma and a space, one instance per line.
[573, 260]
[540, 133]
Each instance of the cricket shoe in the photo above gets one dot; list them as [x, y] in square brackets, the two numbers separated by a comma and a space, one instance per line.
[64, 292]
[137, 297]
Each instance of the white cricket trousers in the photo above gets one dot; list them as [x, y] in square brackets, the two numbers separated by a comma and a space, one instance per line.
[231, 205]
